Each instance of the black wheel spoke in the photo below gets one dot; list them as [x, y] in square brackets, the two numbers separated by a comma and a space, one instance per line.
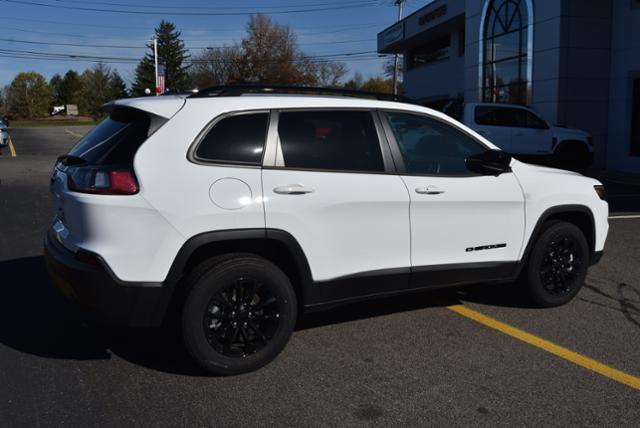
[234, 326]
[258, 332]
[269, 301]
[559, 269]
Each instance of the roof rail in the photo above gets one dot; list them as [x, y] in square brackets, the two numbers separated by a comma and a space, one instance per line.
[237, 90]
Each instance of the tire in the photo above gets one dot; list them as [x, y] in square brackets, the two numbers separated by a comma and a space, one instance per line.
[238, 315]
[573, 156]
[558, 264]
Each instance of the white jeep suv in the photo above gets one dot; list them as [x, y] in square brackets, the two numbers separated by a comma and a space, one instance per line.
[243, 207]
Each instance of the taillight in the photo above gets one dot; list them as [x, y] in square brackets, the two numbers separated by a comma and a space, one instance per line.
[600, 191]
[102, 181]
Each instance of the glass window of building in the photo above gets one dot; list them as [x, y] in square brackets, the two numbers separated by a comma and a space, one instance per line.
[505, 51]
[433, 51]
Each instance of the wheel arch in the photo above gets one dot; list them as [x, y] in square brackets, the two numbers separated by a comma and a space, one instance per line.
[275, 245]
[568, 142]
[579, 215]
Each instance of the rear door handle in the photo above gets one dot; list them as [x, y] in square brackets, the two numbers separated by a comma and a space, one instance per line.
[292, 189]
[429, 190]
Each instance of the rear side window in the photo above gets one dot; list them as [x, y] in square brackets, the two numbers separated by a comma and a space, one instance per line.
[116, 139]
[497, 116]
[330, 140]
[235, 139]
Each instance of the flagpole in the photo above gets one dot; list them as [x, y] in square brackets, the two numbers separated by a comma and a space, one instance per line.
[155, 58]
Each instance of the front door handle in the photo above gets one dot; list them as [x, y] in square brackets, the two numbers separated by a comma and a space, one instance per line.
[292, 189]
[429, 190]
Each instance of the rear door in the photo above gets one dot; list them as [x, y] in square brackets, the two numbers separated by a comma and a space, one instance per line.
[332, 187]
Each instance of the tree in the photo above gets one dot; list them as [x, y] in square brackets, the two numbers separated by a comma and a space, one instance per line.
[29, 95]
[355, 82]
[216, 66]
[373, 84]
[118, 89]
[389, 65]
[271, 55]
[330, 74]
[100, 85]
[56, 82]
[171, 53]
[70, 88]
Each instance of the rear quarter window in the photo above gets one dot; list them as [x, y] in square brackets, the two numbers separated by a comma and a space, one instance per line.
[237, 139]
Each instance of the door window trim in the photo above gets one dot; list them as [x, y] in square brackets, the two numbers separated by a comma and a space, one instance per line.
[193, 147]
[273, 153]
[397, 153]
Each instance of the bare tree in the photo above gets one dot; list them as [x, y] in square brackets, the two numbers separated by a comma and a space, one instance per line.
[271, 55]
[330, 74]
[216, 66]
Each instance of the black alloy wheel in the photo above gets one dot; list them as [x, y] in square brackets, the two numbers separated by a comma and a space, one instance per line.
[560, 266]
[558, 263]
[238, 314]
[241, 318]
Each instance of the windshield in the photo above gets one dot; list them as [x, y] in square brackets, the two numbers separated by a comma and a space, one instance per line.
[115, 140]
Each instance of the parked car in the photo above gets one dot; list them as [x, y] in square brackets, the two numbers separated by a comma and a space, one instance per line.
[523, 133]
[4, 134]
[242, 208]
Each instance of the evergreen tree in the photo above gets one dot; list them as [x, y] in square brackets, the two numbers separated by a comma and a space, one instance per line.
[56, 82]
[117, 85]
[70, 88]
[98, 87]
[172, 54]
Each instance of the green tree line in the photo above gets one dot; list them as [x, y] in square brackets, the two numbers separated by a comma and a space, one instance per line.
[268, 53]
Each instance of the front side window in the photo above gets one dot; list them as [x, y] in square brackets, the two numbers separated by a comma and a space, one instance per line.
[330, 140]
[506, 56]
[237, 139]
[432, 147]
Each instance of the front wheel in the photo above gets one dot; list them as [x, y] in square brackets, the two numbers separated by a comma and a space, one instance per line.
[238, 315]
[558, 264]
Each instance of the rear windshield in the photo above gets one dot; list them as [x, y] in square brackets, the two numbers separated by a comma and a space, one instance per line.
[116, 139]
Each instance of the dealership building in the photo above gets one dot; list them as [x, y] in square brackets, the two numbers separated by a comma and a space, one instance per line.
[576, 62]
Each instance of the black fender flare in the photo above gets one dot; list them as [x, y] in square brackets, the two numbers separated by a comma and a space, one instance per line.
[546, 214]
[235, 235]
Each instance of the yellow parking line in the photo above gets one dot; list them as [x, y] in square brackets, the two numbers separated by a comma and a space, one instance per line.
[11, 148]
[574, 357]
[73, 133]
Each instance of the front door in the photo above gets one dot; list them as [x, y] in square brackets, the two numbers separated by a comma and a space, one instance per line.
[459, 219]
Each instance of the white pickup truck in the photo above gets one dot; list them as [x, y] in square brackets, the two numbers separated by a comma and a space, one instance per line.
[521, 132]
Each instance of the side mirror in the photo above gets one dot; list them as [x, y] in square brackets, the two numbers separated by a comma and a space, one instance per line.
[491, 162]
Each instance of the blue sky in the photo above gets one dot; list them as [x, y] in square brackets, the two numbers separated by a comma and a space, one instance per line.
[347, 26]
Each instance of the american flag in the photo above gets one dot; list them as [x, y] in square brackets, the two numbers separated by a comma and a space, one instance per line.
[161, 83]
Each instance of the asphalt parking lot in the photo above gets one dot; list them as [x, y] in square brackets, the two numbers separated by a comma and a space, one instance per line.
[426, 359]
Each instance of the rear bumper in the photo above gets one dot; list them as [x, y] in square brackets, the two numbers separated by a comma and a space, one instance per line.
[97, 290]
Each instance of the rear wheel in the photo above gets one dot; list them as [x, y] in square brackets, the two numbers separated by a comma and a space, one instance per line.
[238, 314]
[558, 264]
